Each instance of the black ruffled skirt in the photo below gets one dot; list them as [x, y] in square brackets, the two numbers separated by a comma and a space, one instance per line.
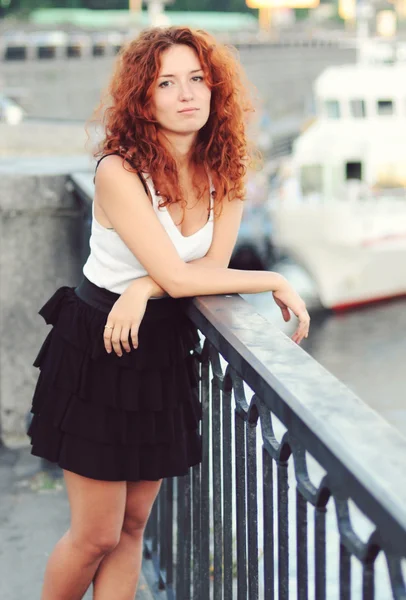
[111, 418]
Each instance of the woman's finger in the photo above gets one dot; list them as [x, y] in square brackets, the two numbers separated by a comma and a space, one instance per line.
[134, 334]
[108, 330]
[125, 332]
[115, 340]
[298, 337]
[302, 330]
[285, 313]
[284, 309]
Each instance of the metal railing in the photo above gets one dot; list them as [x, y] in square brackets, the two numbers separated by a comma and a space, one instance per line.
[302, 488]
[318, 512]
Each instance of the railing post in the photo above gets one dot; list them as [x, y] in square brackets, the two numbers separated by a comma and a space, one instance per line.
[301, 546]
[241, 508]
[283, 530]
[227, 490]
[320, 552]
[205, 484]
[269, 558]
[217, 491]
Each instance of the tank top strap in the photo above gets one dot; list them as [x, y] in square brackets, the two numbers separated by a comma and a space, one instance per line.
[142, 178]
[149, 187]
[100, 159]
[212, 195]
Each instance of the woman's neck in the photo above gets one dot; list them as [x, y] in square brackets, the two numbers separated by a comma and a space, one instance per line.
[181, 148]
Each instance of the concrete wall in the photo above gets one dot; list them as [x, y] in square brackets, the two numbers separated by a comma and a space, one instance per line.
[70, 88]
[41, 243]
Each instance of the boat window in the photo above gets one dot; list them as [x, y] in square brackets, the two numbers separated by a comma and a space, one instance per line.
[357, 108]
[353, 170]
[385, 107]
[332, 109]
[311, 178]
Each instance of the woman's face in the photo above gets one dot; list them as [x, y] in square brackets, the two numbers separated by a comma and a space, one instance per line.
[181, 97]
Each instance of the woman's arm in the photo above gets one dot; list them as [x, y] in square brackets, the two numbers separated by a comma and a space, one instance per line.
[128, 208]
[225, 232]
[153, 290]
[123, 199]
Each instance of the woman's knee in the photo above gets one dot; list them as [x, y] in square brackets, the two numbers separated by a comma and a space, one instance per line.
[97, 512]
[96, 543]
[134, 524]
[140, 498]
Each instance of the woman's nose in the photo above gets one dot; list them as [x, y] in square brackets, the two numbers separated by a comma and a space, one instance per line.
[186, 93]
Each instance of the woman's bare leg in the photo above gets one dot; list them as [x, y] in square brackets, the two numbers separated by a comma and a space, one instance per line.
[118, 574]
[97, 513]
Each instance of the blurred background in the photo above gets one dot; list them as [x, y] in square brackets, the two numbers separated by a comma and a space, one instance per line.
[328, 206]
[327, 209]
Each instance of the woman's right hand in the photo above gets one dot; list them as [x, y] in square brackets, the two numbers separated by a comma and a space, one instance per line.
[125, 318]
[288, 299]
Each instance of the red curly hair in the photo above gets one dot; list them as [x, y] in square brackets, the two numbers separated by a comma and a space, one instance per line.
[131, 130]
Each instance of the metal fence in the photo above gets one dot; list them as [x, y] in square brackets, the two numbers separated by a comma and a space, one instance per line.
[302, 488]
[318, 512]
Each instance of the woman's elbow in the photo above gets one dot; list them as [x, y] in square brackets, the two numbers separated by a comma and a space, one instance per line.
[175, 286]
[175, 292]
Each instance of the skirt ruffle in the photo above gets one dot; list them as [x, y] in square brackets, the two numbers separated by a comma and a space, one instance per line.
[131, 418]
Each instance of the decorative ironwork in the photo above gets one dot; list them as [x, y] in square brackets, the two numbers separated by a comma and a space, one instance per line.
[225, 547]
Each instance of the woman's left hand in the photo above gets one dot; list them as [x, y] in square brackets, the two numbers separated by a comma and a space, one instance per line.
[125, 319]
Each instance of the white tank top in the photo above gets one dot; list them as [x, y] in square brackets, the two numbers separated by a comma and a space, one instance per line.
[112, 265]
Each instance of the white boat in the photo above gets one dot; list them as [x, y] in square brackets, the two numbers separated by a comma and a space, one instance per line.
[340, 207]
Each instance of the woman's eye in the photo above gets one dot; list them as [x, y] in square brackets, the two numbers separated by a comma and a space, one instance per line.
[168, 83]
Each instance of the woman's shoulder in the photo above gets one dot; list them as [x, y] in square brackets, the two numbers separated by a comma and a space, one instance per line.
[114, 167]
[112, 161]
[113, 174]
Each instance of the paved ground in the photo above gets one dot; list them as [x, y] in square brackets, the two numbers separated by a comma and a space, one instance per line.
[33, 516]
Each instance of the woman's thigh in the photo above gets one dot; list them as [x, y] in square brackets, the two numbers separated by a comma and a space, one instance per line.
[97, 510]
[140, 498]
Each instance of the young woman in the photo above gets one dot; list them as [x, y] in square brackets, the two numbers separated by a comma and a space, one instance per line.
[116, 404]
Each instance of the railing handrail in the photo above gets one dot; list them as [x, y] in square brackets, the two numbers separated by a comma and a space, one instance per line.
[370, 452]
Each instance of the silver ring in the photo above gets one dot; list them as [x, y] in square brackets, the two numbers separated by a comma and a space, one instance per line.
[108, 327]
